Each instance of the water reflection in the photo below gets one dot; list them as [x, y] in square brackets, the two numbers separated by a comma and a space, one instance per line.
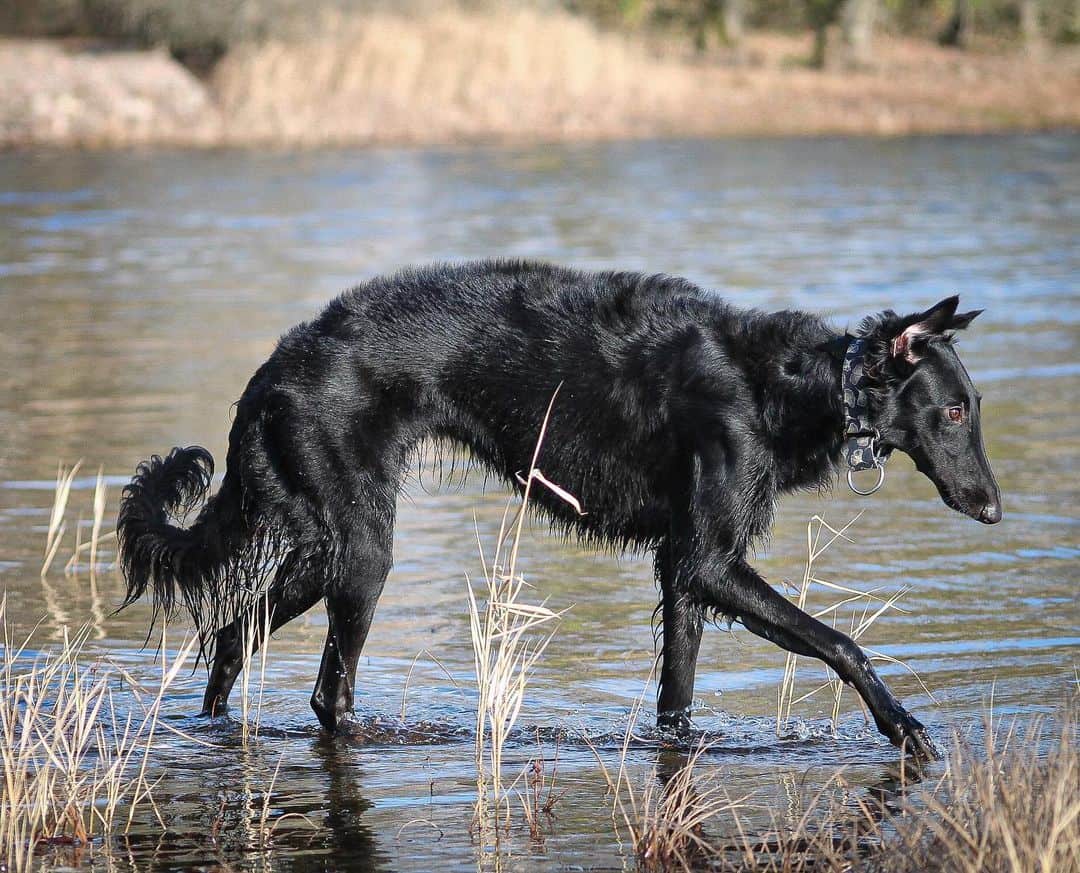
[140, 290]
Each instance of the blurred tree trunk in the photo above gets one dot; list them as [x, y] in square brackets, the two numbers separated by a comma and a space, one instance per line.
[734, 18]
[821, 43]
[820, 14]
[1030, 25]
[857, 27]
[718, 21]
[958, 29]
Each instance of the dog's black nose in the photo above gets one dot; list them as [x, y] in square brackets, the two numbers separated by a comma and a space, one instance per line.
[990, 513]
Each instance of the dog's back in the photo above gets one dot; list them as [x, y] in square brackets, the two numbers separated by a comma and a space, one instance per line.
[473, 354]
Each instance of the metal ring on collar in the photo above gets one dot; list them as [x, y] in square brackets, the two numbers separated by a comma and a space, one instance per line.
[877, 485]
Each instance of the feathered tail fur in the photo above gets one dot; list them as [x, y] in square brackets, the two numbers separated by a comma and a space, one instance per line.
[177, 565]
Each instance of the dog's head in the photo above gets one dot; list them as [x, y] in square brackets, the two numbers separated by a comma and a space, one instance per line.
[924, 403]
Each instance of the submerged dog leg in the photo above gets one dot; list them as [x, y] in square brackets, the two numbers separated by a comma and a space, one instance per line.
[350, 606]
[765, 612]
[682, 624]
[285, 603]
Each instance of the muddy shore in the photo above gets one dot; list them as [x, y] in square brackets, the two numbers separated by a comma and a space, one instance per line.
[512, 77]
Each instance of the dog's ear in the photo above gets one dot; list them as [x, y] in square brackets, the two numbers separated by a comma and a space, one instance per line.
[934, 322]
[963, 319]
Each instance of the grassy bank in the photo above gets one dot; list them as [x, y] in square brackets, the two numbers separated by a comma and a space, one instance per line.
[513, 75]
[1010, 805]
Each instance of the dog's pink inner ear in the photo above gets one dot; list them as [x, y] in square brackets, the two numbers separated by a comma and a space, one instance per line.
[936, 320]
[903, 344]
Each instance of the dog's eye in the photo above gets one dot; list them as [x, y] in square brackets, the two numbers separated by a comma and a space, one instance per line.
[956, 414]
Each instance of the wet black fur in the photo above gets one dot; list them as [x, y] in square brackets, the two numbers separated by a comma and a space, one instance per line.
[680, 421]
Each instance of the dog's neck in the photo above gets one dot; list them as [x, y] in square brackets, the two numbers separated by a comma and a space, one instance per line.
[798, 388]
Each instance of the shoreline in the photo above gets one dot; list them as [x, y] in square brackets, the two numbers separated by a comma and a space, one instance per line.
[461, 145]
[505, 79]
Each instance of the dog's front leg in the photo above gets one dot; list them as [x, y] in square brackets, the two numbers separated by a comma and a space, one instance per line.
[681, 639]
[351, 597]
[765, 612]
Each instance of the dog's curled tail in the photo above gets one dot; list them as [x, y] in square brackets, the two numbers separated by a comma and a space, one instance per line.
[176, 564]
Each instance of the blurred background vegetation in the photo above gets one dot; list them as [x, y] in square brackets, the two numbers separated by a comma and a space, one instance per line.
[199, 32]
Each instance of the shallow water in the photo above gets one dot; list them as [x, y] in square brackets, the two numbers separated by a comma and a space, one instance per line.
[139, 292]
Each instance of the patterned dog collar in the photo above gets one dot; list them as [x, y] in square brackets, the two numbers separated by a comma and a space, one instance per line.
[860, 437]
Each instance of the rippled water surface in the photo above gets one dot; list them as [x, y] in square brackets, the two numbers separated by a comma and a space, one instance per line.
[139, 292]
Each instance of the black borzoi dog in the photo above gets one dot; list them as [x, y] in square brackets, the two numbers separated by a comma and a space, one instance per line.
[679, 422]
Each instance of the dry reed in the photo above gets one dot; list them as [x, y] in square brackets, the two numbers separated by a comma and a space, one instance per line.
[664, 821]
[508, 638]
[71, 762]
[866, 606]
[57, 525]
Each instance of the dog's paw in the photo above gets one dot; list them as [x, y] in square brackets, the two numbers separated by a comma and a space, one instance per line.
[919, 743]
[675, 722]
[910, 735]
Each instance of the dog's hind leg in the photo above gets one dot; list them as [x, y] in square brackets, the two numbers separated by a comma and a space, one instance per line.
[351, 598]
[290, 595]
[681, 638]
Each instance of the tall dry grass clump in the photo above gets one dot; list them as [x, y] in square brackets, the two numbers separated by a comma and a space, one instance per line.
[663, 822]
[1009, 806]
[666, 820]
[451, 74]
[861, 608]
[74, 767]
[509, 635]
[1012, 806]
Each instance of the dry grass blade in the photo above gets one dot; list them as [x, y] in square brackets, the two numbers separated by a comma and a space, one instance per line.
[255, 640]
[816, 545]
[57, 526]
[100, 502]
[557, 490]
[508, 638]
[408, 677]
[70, 761]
